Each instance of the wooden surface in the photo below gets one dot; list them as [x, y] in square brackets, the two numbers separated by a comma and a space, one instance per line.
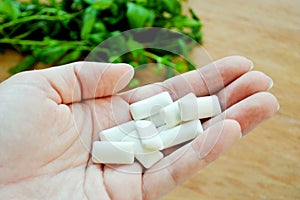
[266, 163]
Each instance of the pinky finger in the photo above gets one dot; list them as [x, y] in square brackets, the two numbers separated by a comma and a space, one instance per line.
[186, 161]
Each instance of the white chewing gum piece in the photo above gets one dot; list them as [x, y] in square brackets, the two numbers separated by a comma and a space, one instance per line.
[181, 133]
[150, 106]
[149, 159]
[145, 128]
[156, 119]
[113, 152]
[188, 107]
[117, 133]
[162, 128]
[154, 143]
[138, 146]
[208, 106]
[171, 114]
[148, 135]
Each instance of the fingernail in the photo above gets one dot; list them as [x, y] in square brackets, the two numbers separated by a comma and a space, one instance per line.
[278, 107]
[241, 135]
[271, 84]
[251, 65]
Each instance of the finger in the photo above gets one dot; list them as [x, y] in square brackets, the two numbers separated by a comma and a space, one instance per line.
[86, 80]
[123, 181]
[211, 78]
[249, 112]
[203, 81]
[186, 161]
[93, 184]
[248, 84]
[243, 87]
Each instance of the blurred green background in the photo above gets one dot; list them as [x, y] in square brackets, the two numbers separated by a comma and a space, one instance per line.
[58, 32]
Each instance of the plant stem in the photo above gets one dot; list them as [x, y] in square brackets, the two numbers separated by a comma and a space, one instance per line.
[159, 60]
[75, 44]
[38, 43]
[37, 17]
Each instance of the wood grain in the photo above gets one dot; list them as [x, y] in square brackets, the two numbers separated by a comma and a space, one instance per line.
[266, 163]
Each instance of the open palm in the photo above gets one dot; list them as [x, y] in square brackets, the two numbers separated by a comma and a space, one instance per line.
[49, 119]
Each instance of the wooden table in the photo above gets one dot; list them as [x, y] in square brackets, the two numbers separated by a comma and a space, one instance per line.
[266, 163]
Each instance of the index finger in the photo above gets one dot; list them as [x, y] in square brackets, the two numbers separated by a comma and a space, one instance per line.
[204, 81]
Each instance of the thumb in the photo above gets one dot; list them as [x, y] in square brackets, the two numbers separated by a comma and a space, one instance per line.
[86, 80]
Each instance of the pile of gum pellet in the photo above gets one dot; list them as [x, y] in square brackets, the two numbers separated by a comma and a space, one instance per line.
[158, 123]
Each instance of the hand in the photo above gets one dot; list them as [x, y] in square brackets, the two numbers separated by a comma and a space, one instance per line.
[50, 118]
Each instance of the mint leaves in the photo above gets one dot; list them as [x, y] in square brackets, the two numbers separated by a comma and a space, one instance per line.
[65, 31]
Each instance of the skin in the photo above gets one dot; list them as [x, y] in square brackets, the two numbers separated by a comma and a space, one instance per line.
[50, 118]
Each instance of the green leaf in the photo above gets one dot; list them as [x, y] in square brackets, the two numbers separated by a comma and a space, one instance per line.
[117, 44]
[181, 22]
[96, 38]
[133, 83]
[63, 30]
[172, 6]
[27, 63]
[89, 19]
[10, 8]
[70, 57]
[181, 66]
[99, 4]
[137, 15]
[89, 1]
[138, 56]
[102, 4]
[190, 66]
[115, 59]
[51, 54]
[133, 45]
[99, 26]
[134, 64]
